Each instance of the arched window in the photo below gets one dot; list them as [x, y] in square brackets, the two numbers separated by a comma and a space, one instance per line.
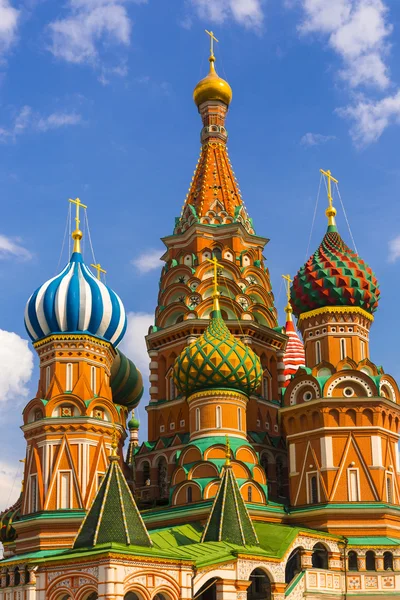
[93, 379]
[362, 350]
[260, 586]
[389, 489]
[266, 389]
[320, 557]
[33, 493]
[217, 253]
[198, 419]
[279, 476]
[249, 494]
[7, 578]
[388, 561]
[314, 489]
[240, 419]
[146, 472]
[171, 387]
[69, 377]
[162, 477]
[27, 575]
[318, 355]
[352, 561]
[17, 576]
[189, 495]
[218, 419]
[370, 560]
[293, 565]
[48, 377]
[131, 596]
[342, 348]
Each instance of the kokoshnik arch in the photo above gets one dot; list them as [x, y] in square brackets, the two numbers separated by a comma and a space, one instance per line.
[271, 468]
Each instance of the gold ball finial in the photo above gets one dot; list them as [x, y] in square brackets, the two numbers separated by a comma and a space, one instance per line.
[77, 234]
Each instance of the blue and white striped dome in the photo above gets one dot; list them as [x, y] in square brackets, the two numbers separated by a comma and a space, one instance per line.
[75, 301]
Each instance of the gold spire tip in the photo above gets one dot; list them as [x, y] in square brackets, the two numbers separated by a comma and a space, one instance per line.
[212, 40]
[288, 307]
[331, 210]
[99, 270]
[227, 452]
[216, 293]
[77, 233]
[114, 444]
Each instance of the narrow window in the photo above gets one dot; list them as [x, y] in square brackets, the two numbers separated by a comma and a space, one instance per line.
[240, 419]
[370, 560]
[362, 350]
[388, 561]
[197, 419]
[189, 495]
[353, 485]
[172, 391]
[93, 379]
[33, 494]
[48, 375]
[314, 489]
[218, 417]
[352, 561]
[68, 378]
[318, 352]
[342, 348]
[389, 489]
[249, 494]
[65, 490]
[266, 388]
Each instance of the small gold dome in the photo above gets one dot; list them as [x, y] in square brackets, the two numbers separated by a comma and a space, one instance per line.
[212, 87]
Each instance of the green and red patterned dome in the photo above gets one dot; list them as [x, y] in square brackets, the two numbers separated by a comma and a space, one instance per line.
[334, 276]
[217, 360]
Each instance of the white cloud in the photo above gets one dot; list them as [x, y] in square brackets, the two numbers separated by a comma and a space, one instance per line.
[10, 483]
[16, 362]
[90, 26]
[9, 18]
[28, 120]
[394, 249]
[371, 118]
[147, 261]
[248, 13]
[315, 139]
[357, 30]
[134, 344]
[12, 247]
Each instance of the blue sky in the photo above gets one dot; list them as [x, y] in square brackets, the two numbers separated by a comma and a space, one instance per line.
[96, 102]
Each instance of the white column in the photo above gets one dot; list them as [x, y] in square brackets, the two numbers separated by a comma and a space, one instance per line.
[326, 452]
[376, 447]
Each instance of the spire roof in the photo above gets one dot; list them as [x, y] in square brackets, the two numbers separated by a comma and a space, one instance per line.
[113, 516]
[229, 520]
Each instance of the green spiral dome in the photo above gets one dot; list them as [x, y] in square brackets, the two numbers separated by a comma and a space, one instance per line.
[217, 360]
[126, 382]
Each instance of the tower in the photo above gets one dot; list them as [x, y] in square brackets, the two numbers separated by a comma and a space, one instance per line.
[86, 388]
[341, 412]
[294, 357]
[214, 223]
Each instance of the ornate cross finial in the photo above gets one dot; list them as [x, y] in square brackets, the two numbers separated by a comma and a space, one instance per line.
[216, 294]
[77, 234]
[288, 307]
[212, 40]
[330, 211]
[227, 452]
[99, 270]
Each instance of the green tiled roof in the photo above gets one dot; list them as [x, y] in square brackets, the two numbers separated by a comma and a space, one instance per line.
[113, 516]
[229, 520]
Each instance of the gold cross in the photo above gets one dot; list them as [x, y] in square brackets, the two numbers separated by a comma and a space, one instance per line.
[288, 282]
[212, 40]
[99, 270]
[216, 264]
[78, 206]
[330, 179]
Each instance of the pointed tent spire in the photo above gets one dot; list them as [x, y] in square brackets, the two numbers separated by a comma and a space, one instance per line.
[229, 520]
[113, 516]
[294, 356]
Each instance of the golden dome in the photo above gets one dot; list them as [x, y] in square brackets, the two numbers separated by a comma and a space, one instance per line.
[212, 87]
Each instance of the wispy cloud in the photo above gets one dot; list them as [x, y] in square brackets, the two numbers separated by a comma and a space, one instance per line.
[134, 344]
[12, 248]
[9, 20]
[90, 28]
[16, 361]
[394, 249]
[10, 483]
[147, 261]
[316, 139]
[27, 119]
[248, 13]
[358, 31]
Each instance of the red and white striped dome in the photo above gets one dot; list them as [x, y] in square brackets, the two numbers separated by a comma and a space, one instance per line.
[294, 354]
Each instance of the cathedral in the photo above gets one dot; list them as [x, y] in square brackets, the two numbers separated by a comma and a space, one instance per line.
[271, 469]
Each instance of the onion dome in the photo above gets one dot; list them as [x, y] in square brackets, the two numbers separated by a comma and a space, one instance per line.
[334, 276]
[75, 301]
[212, 87]
[217, 360]
[7, 519]
[126, 382]
[133, 423]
